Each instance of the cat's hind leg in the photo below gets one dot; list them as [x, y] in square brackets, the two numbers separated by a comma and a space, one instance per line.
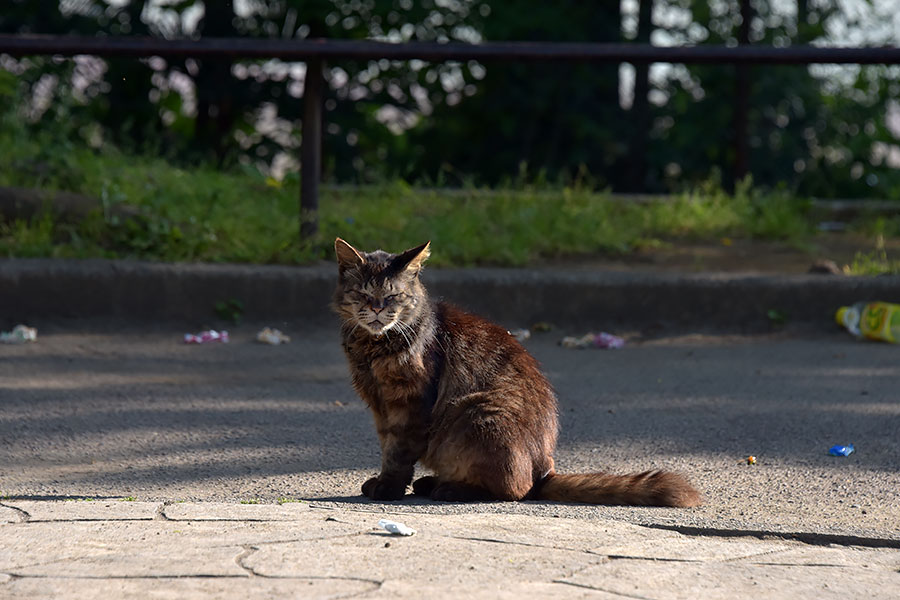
[423, 486]
[453, 491]
[448, 491]
[480, 450]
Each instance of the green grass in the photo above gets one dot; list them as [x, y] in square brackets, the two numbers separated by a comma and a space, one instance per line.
[202, 214]
[875, 262]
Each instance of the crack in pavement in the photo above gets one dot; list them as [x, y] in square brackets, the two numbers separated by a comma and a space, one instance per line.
[246, 551]
[125, 577]
[375, 582]
[295, 540]
[743, 557]
[599, 589]
[161, 512]
[514, 543]
[826, 565]
[23, 514]
[754, 555]
[316, 539]
[124, 520]
[655, 558]
[812, 539]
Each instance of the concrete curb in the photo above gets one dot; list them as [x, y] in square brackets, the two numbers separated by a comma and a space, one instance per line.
[47, 288]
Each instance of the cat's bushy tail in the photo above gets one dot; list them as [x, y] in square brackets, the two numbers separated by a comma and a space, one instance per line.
[650, 488]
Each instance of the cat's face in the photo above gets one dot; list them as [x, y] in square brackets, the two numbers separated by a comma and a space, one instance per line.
[377, 291]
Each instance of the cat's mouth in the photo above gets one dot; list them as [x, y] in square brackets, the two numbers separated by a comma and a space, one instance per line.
[375, 327]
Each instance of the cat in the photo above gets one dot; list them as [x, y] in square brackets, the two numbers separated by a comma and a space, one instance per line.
[460, 395]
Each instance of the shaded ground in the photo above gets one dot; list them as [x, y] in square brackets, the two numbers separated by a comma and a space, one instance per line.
[116, 412]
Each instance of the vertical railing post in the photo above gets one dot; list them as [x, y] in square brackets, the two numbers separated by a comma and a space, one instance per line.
[636, 179]
[311, 149]
[742, 100]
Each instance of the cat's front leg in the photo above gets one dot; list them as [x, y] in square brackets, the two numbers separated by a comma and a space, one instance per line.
[384, 488]
[398, 459]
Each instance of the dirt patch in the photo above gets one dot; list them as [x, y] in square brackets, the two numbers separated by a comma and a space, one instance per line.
[737, 256]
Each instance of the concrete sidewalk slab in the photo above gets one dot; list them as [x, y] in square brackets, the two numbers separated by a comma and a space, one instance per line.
[261, 551]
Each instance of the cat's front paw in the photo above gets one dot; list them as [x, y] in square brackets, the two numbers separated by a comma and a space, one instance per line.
[383, 489]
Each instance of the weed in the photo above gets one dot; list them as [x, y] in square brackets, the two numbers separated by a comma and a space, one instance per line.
[230, 310]
[285, 500]
[128, 499]
[252, 501]
[875, 262]
[777, 317]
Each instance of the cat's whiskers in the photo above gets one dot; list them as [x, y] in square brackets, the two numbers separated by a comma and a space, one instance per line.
[404, 330]
[352, 329]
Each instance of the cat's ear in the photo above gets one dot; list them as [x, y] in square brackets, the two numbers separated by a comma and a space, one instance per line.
[347, 256]
[412, 260]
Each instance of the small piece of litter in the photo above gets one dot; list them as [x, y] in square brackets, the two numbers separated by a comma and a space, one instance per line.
[396, 528]
[272, 337]
[20, 334]
[751, 460]
[593, 340]
[841, 450]
[520, 334]
[205, 337]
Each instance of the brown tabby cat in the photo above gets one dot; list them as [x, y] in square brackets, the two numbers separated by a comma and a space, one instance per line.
[461, 395]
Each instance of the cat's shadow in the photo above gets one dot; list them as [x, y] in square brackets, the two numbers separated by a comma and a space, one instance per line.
[408, 500]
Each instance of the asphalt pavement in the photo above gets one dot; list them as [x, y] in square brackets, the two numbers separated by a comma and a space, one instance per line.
[136, 465]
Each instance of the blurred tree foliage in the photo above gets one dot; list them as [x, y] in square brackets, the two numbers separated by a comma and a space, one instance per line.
[820, 138]
[454, 123]
[551, 119]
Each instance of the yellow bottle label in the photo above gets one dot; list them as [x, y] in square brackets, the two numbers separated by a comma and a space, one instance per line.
[880, 321]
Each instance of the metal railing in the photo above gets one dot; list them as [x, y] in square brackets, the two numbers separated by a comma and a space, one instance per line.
[314, 52]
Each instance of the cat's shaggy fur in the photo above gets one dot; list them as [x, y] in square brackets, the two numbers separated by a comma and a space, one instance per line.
[461, 395]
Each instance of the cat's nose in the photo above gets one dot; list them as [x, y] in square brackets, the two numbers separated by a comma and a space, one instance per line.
[377, 305]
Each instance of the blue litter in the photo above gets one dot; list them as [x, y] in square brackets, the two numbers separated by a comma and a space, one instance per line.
[841, 450]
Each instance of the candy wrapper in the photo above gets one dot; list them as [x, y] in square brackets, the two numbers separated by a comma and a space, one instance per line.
[520, 334]
[841, 450]
[593, 340]
[20, 334]
[206, 337]
[272, 337]
[396, 528]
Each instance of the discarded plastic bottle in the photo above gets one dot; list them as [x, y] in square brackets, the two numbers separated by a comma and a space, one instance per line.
[872, 320]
